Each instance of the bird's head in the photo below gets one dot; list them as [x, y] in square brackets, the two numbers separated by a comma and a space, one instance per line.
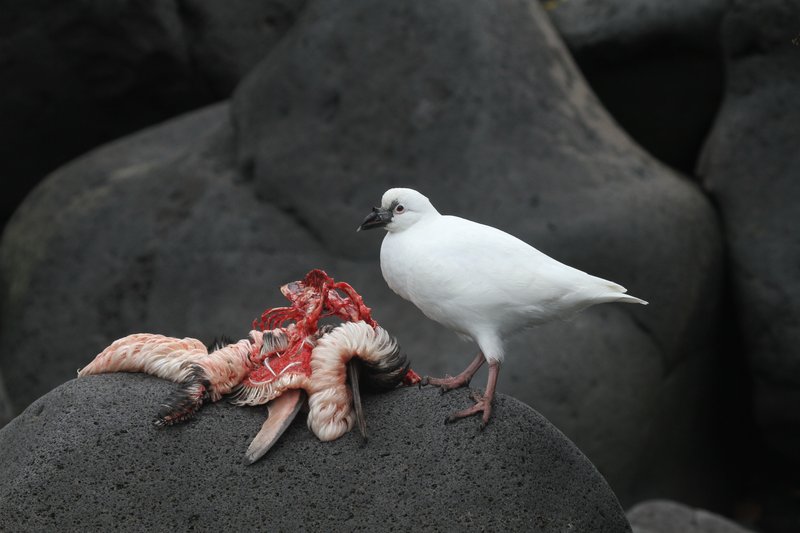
[400, 209]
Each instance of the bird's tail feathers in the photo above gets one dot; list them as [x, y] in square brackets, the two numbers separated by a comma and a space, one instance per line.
[615, 292]
[628, 299]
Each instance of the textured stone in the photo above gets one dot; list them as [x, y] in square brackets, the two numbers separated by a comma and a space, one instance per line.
[85, 457]
[80, 72]
[190, 228]
[656, 66]
[751, 167]
[662, 516]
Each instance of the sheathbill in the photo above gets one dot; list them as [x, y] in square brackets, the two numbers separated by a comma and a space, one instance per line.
[478, 281]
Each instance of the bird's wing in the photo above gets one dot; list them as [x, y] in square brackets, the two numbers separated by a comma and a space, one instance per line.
[462, 260]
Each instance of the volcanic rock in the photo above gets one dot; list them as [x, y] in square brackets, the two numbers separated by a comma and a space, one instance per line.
[85, 457]
[77, 73]
[663, 516]
[587, 24]
[656, 66]
[751, 167]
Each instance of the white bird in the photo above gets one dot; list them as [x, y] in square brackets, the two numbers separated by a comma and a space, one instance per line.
[478, 281]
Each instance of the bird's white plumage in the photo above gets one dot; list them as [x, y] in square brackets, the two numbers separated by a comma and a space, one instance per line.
[478, 280]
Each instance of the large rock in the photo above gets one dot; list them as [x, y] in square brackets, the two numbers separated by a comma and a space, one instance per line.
[81, 72]
[594, 24]
[663, 516]
[85, 457]
[6, 409]
[751, 166]
[188, 229]
[656, 66]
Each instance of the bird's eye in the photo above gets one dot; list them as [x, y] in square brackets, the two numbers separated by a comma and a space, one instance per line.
[399, 209]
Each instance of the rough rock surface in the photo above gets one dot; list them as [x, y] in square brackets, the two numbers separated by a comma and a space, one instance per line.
[751, 166]
[80, 72]
[189, 229]
[656, 66]
[662, 516]
[85, 457]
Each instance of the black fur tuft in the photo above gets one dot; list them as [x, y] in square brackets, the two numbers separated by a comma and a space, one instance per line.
[385, 374]
[219, 342]
[186, 401]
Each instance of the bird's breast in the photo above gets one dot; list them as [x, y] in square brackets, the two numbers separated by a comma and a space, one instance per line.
[396, 266]
[413, 273]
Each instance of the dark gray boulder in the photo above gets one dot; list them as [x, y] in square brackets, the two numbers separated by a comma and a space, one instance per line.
[6, 409]
[663, 516]
[606, 23]
[656, 66]
[85, 457]
[751, 166]
[77, 73]
[189, 229]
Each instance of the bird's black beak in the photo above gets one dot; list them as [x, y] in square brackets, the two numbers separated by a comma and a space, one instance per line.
[377, 219]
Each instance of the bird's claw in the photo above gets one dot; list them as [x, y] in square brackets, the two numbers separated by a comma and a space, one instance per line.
[481, 406]
[445, 384]
[450, 419]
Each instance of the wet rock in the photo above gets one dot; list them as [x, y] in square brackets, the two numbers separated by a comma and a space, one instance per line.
[190, 228]
[86, 457]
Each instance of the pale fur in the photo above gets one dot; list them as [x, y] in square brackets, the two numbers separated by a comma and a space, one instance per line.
[150, 353]
[261, 394]
[227, 367]
[173, 359]
[330, 398]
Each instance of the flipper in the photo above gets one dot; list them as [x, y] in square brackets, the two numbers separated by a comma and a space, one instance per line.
[282, 411]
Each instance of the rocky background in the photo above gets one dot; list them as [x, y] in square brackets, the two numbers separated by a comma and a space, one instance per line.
[647, 142]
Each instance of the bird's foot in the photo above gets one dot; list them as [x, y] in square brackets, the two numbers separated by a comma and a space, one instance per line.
[446, 383]
[454, 382]
[483, 405]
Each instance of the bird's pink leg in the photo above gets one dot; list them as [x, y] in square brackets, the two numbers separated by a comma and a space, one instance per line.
[483, 403]
[453, 382]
